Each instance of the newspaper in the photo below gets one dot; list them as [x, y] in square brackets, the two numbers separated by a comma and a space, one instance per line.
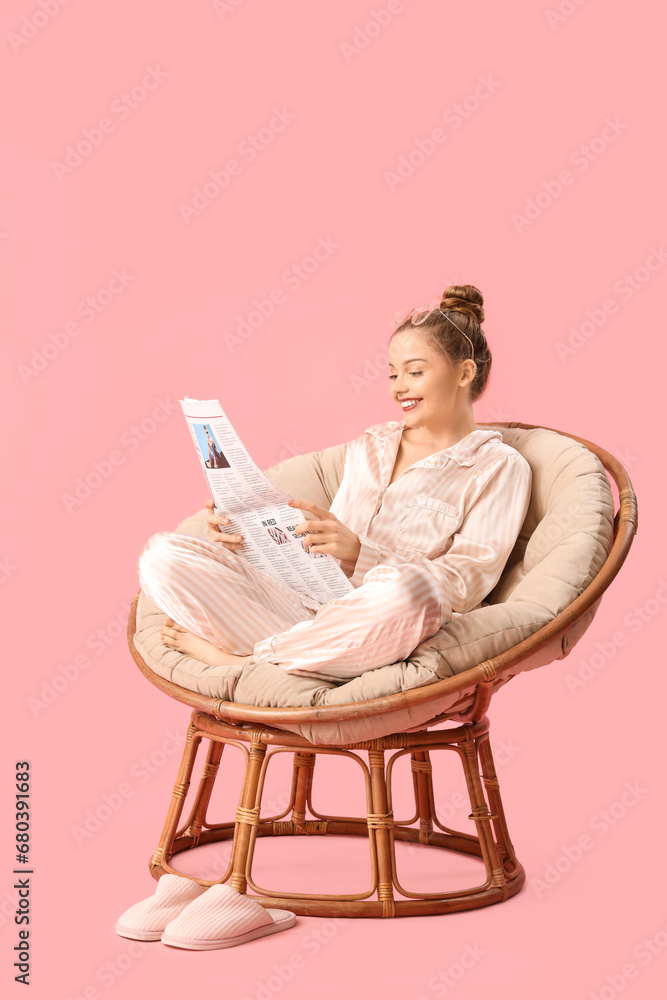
[258, 510]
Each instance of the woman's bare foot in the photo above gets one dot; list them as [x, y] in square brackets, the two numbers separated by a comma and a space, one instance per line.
[177, 637]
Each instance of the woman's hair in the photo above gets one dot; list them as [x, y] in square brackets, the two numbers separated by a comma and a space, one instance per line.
[464, 304]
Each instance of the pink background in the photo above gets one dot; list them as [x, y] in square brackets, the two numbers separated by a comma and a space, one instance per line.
[74, 395]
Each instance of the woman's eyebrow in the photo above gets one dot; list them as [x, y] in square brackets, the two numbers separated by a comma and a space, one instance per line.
[410, 361]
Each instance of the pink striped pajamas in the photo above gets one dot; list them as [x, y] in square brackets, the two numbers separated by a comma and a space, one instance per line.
[433, 544]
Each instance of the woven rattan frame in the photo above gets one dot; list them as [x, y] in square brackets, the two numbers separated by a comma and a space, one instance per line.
[252, 729]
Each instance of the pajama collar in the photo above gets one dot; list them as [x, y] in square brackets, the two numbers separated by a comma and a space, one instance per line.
[463, 452]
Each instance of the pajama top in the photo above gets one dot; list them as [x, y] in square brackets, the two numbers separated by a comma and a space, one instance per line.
[457, 513]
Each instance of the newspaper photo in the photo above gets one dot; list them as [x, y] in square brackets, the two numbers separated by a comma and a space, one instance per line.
[257, 509]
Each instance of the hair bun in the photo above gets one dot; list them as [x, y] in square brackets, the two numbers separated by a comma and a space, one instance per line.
[464, 298]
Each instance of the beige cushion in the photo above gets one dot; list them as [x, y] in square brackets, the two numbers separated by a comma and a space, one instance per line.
[565, 539]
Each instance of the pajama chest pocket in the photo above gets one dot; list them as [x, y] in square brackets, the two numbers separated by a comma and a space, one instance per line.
[426, 525]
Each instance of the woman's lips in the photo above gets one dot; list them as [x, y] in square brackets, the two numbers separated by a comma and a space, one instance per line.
[408, 409]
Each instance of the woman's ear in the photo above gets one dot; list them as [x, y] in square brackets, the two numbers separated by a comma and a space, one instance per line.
[468, 372]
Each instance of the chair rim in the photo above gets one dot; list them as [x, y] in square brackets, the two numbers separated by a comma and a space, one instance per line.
[482, 676]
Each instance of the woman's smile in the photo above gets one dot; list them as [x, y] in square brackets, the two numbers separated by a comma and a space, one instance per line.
[409, 404]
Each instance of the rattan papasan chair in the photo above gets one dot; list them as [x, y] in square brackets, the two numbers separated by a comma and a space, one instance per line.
[570, 548]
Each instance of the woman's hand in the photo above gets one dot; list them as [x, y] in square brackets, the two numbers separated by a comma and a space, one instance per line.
[232, 542]
[330, 534]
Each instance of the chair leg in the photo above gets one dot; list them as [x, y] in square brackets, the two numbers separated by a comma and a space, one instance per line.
[505, 847]
[423, 773]
[302, 783]
[247, 814]
[164, 850]
[480, 813]
[381, 823]
[197, 818]
[304, 764]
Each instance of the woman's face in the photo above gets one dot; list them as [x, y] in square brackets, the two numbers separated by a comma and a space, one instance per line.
[437, 392]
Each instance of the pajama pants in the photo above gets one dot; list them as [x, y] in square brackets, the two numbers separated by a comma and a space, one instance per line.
[219, 596]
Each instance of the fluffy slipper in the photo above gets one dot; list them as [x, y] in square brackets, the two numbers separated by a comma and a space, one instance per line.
[145, 921]
[222, 918]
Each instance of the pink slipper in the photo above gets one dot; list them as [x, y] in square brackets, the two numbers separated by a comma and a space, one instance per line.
[145, 921]
[222, 918]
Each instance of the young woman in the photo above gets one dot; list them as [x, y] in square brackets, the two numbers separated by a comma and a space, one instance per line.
[426, 515]
[428, 510]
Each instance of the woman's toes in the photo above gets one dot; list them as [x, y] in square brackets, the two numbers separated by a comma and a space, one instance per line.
[168, 635]
[173, 628]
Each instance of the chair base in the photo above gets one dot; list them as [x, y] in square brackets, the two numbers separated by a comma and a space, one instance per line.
[385, 897]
